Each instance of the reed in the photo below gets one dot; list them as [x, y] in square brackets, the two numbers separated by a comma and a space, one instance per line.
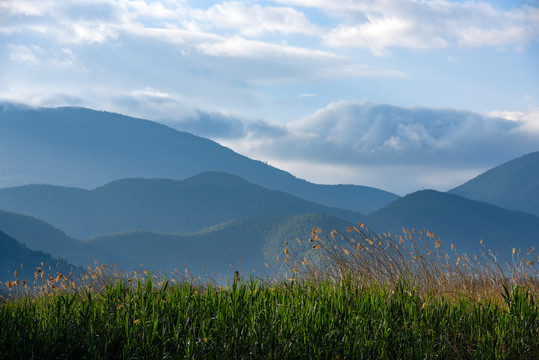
[366, 258]
[356, 295]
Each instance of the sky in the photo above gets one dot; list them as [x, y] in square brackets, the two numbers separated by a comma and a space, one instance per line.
[397, 94]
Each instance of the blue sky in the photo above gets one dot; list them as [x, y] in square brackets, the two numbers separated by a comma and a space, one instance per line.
[397, 94]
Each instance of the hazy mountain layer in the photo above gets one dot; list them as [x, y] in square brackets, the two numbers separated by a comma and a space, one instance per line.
[85, 148]
[460, 221]
[514, 185]
[157, 205]
[13, 254]
[39, 235]
[240, 243]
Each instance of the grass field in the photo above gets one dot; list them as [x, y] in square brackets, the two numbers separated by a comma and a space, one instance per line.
[342, 296]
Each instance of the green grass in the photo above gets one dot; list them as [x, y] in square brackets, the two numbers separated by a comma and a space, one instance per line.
[357, 295]
[252, 320]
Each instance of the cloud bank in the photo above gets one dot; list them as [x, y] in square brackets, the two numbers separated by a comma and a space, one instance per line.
[382, 25]
[425, 147]
[243, 72]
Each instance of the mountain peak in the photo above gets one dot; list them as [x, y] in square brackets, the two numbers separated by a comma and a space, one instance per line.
[85, 148]
[514, 185]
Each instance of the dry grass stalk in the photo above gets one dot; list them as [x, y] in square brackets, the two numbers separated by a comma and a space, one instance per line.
[366, 258]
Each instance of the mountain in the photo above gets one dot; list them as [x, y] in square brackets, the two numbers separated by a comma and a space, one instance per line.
[215, 248]
[157, 205]
[513, 185]
[14, 254]
[460, 221]
[41, 236]
[83, 148]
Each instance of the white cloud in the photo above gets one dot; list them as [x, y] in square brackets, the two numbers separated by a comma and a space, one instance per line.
[390, 147]
[24, 53]
[374, 25]
[382, 25]
[527, 121]
[505, 114]
[243, 48]
[223, 30]
[305, 95]
[91, 33]
[380, 34]
[33, 54]
[27, 8]
[367, 134]
[66, 59]
[256, 20]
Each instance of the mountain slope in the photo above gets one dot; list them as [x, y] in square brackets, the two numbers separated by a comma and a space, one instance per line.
[85, 148]
[215, 248]
[513, 185]
[41, 236]
[14, 254]
[157, 205]
[460, 221]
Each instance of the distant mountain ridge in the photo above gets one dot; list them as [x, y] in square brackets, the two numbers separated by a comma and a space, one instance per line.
[14, 254]
[159, 205]
[41, 236]
[79, 147]
[179, 199]
[253, 241]
[458, 220]
[454, 219]
[242, 244]
[513, 185]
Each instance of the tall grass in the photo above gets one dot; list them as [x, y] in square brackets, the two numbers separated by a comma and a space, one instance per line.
[343, 296]
[366, 258]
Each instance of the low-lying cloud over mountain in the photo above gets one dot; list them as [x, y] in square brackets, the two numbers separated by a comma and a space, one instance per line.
[433, 147]
[245, 72]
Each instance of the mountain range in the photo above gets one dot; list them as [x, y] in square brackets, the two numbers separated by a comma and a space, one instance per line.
[463, 222]
[514, 185]
[243, 244]
[254, 240]
[17, 257]
[90, 185]
[170, 206]
[83, 148]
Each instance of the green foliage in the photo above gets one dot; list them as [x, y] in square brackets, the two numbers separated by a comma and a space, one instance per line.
[255, 320]
[360, 296]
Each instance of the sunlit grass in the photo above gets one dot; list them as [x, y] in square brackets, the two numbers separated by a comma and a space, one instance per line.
[341, 296]
[365, 258]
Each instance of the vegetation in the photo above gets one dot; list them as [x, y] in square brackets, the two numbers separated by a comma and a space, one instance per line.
[354, 295]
